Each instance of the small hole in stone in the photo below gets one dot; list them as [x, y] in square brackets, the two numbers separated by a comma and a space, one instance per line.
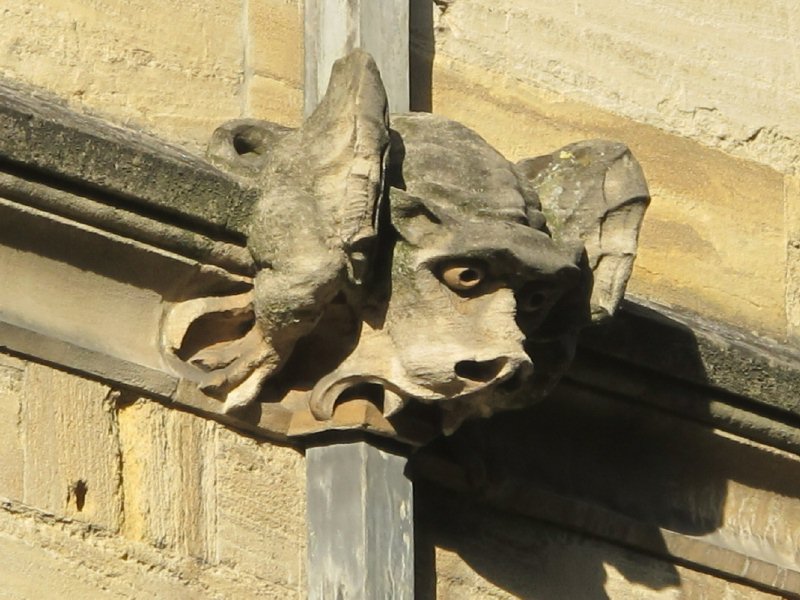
[79, 491]
[247, 141]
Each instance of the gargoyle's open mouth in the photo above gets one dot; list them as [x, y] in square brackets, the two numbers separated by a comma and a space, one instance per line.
[389, 399]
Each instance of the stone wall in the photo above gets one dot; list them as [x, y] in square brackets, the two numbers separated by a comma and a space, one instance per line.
[707, 97]
[109, 495]
[104, 495]
[178, 69]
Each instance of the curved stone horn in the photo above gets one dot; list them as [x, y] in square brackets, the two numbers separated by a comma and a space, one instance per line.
[334, 164]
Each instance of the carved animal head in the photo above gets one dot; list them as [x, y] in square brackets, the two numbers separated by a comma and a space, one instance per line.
[446, 275]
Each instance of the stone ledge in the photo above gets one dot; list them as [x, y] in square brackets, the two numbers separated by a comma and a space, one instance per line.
[55, 144]
[698, 350]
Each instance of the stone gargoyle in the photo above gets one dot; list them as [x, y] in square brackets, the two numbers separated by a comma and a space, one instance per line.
[407, 276]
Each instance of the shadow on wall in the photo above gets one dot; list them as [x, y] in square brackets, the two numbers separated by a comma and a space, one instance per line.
[536, 502]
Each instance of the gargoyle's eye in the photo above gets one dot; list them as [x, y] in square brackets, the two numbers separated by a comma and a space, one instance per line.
[462, 278]
[532, 299]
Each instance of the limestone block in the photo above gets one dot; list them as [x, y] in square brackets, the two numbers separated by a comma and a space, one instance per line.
[52, 559]
[261, 511]
[713, 241]
[168, 477]
[275, 100]
[717, 72]
[173, 67]
[12, 373]
[71, 451]
[792, 209]
[275, 40]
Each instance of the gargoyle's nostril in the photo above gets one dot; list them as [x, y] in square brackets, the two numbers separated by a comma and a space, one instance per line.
[483, 371]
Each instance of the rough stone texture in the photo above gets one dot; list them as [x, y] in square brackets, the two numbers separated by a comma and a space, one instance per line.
[460, 579]
[696, 251]
[697, 350]
[52, 558]
[180, 81]
[198, 489]
[274, 60]
[486, 555]
[721, 73]
[617, 472]
[177, 69]
[55, 142]
[372, 307]
[261, 510]
[275, 39]
[71, 455]
[12, 373]
[168, 479]
[172, 505]
[275, 100]
[792, 209]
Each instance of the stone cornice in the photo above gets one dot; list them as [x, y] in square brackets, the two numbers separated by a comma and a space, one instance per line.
[44, 141]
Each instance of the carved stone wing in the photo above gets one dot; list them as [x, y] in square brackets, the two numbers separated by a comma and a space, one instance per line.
[594, 191]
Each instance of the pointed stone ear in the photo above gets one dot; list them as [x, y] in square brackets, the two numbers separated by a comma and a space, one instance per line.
[595, 192]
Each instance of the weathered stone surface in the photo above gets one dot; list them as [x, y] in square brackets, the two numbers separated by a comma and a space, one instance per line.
[489, 555]
[175, 68]
[55, 142]
[461, 579]
[104, 281]
[275, 100]
[701, 351]
[602, 462]
[260, 501]
[594, 191]
[51, 558]
[169, 479]
[274, 43]
[719, 73]
[792, 210]
[71, 454]
[12, 373]
[98, 365]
